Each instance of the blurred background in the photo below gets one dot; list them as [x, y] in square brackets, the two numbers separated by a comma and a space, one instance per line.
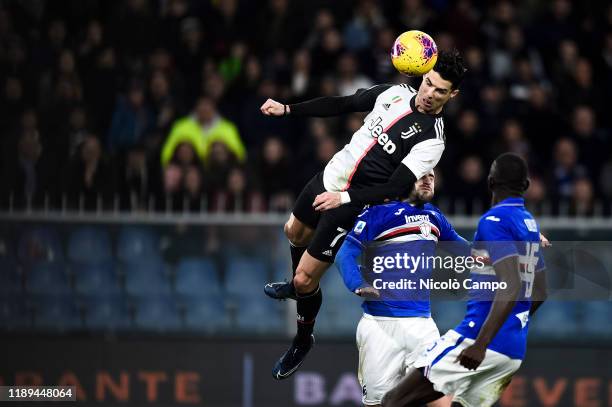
[143, 194]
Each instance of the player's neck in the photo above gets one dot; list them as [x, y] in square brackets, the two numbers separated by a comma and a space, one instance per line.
[502, 196]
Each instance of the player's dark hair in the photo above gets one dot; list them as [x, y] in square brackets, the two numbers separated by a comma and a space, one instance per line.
[509, 174]
[451, 67]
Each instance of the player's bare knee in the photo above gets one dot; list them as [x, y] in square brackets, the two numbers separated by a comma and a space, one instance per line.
[298, 236]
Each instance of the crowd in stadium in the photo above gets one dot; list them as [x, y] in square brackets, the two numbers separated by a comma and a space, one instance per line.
[154, 105]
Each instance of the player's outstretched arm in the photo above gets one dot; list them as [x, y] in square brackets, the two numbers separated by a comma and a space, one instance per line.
[362, 101]
[507, 270]
[346, 261]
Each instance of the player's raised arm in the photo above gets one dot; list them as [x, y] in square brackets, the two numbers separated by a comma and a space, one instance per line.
[506, 270]
[362, 101]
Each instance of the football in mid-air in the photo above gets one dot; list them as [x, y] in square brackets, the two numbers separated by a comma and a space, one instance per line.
[414, 53]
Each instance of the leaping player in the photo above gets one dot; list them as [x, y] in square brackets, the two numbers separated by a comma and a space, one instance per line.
[401, 140]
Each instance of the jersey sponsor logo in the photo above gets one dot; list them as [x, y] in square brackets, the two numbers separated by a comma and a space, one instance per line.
[359, 227]
[412, 130]
[531, 224]
[493, 218]
[376, 130]
[386, 106]
[416, 218]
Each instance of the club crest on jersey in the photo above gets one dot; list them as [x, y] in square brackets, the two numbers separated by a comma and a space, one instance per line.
[377, 131]
[425, 229]
[412, 130]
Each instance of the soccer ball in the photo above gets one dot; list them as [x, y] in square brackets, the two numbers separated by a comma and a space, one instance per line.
[414, 53]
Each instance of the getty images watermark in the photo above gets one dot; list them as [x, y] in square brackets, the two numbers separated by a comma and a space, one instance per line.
[414, 270]
[387, 268]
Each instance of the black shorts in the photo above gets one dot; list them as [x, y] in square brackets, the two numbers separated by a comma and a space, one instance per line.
[331, 227]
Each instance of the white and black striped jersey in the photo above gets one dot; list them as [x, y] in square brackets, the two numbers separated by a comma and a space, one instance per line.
[393, 133]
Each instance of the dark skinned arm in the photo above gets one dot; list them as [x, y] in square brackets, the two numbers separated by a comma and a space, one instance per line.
[539, 294]
[507, 270]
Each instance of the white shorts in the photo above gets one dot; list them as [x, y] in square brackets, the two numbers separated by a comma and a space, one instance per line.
[472, 388]
[388, 347]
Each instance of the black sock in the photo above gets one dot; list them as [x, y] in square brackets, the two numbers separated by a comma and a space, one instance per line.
[296, 255]
[308, 306]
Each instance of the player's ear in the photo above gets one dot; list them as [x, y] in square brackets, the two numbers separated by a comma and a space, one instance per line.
[526, 184]
[454, 93]
[490, 182]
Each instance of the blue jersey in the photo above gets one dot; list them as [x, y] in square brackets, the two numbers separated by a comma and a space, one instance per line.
[507, 229]
[413, 229]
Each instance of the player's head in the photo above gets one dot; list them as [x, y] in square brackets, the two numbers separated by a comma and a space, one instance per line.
[424, 189]
[441, 83]
[509, 175]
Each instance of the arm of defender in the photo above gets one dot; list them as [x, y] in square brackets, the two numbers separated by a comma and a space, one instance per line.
[507, 270]
[346, 261]
[540, 293]
[362, 101]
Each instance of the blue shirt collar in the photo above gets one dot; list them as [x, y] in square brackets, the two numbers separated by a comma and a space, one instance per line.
[513, 201]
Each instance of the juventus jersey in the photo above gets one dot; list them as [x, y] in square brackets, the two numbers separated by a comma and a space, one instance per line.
[393, 133]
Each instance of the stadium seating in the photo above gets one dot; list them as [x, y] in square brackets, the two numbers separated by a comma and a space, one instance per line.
[146, 277]
[332, 284]
[157, 313]
[10, 277]
[14, 313]
[339, 317]
[206, 314]
[89, 245]
[58, 313]
[197, 277]
[245, 276]
[555, 320]
[96, 279]
[259, 316]
[107, 312]
[137, 242]
[48, 278]
[39, 244]
[596, 319]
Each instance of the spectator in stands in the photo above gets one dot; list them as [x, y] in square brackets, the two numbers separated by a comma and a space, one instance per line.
[349, 79]
[136, 181]
[582, 201]
[592, 142]
[132, 119]
[70, 59]
[73, 134]
[89, 177]
[193, 189]
[239, 194]
[469, 190]
[201, 130]
[566, 169]
[536, 193]
[276, 175]
[29, 176]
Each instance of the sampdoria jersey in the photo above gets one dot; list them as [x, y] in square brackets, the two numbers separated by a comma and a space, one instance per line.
[393, 133]
[386, 231]
[507, 229]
